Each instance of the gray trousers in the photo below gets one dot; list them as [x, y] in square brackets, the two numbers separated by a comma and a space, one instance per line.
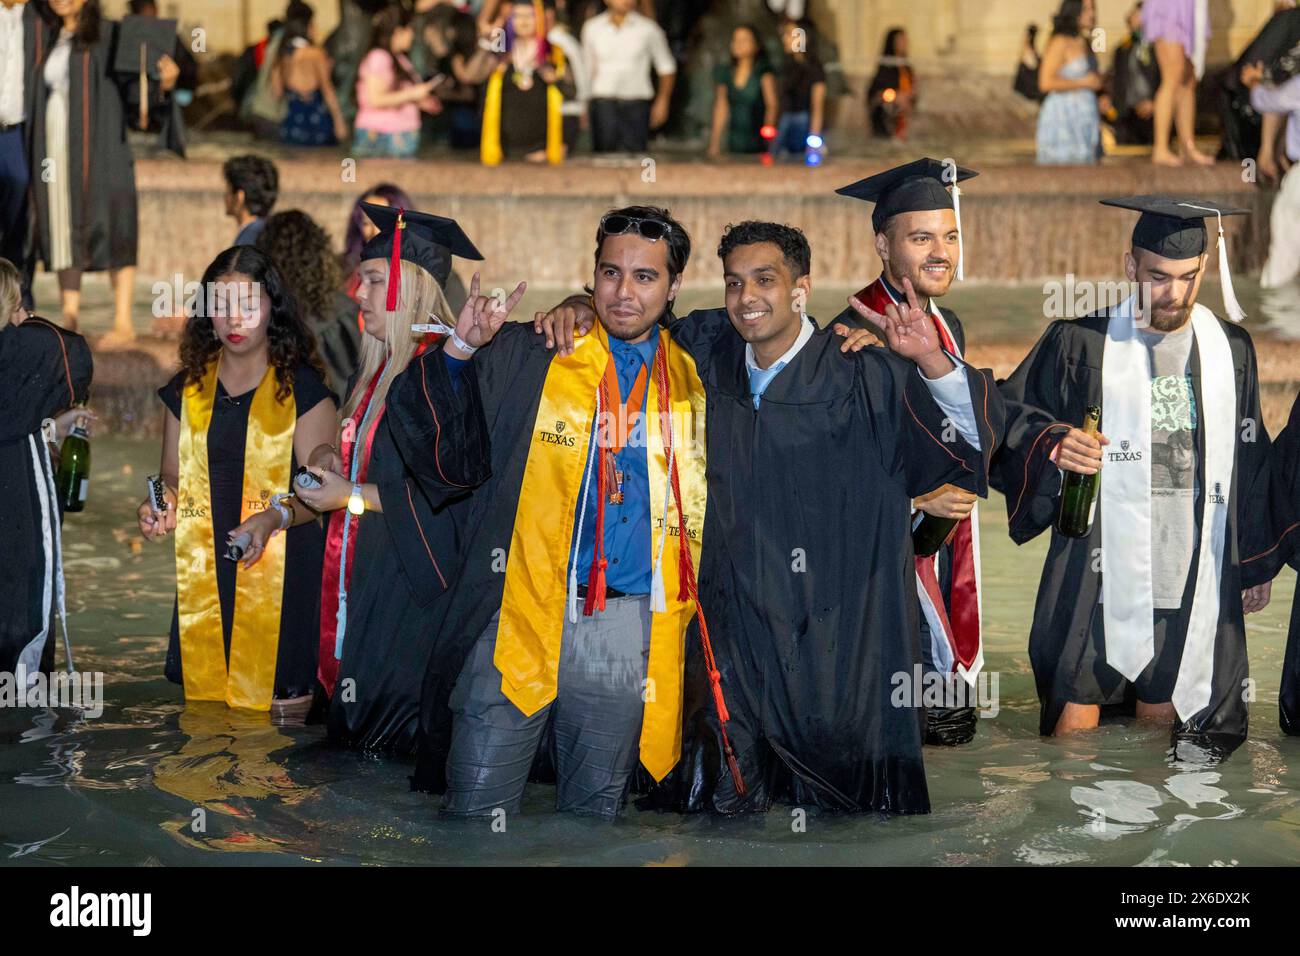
[596, 719]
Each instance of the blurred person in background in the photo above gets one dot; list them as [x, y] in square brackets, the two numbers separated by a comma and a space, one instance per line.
[802, 93]
[301, 76]
[1129, 101]
[523, 101]
[1069, 124]
[1179, 30]
[891, 97]
[744, 97]
[390, 93]
[85, 198]
[620, 46]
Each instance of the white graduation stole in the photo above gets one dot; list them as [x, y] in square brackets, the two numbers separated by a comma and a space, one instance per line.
[1126, 502]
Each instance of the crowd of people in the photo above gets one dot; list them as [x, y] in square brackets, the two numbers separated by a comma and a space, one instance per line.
[584, 548]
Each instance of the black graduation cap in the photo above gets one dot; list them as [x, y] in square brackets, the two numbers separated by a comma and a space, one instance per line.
[156, 36]
[420, 238]
[1174, 227]
[918, 186]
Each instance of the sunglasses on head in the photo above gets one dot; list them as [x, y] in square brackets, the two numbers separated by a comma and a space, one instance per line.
[651, 230]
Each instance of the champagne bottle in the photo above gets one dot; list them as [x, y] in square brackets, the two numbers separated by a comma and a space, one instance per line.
[929, 534]
[1079, 492]
[72, 481]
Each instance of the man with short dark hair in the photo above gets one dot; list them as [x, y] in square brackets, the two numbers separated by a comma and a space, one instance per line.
[252, 184]
[575, 587]
[1143, 614]
[805, 577]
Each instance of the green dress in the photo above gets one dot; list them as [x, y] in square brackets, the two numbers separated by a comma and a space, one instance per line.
[745, 108]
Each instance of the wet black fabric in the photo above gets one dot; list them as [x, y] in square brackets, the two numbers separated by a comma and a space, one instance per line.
[404, 560]
[296, 655]
[34, 385]
[1045, 396]
[944, 726]
[807, 578]
[1284, 548]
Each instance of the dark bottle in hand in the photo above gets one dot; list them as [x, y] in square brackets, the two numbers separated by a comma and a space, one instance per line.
[72, 481]
[1079, 492]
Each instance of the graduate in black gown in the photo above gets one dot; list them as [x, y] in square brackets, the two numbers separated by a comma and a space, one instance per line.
[390, 552]
[807, 578]
[918, 237]
[44, 371]
[1144, 614]
[1282, 548]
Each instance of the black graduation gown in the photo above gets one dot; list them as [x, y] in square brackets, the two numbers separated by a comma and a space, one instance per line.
[404, 561]
[944, 726]
[1059, 378]
[102, 188]
[807, 573]
[452, 440]
[1283, 547]
[35, 384]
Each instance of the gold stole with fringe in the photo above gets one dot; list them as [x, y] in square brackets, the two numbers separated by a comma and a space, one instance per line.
[533, 604]
[490, 152]
[249, 680]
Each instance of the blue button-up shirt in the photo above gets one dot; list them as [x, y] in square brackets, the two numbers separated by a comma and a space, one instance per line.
[627, 526]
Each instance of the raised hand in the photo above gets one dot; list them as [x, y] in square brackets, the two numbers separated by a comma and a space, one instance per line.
[482, 317]
[910, 333]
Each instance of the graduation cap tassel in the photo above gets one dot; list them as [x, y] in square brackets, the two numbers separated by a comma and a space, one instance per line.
[688, 589]
[395, 263]
[961, 252]
[1230, 303]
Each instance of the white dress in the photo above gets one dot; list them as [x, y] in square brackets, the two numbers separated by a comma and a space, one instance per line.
[55, 166]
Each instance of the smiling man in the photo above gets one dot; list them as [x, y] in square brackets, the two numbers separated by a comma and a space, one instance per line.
[805, 576]
[571, 603]
[918, 239]
[1144, 614]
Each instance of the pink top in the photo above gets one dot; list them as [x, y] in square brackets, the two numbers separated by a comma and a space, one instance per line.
[392, 119]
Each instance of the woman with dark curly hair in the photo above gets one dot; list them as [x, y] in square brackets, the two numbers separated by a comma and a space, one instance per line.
[248, 404]
[301, 249]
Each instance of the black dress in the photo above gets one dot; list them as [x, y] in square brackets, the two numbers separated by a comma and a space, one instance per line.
[35, 384]
[295, 667]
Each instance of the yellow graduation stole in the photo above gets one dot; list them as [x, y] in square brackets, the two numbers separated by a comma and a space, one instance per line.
[533, 603]
[490, 142]
[249, 681]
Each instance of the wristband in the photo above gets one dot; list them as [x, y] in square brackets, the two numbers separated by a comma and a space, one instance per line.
[286, 516]
[461, 344]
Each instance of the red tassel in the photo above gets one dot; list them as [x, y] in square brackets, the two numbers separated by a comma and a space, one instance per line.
[715, 678]
[596, 576]
[734, 767]
[395, 262]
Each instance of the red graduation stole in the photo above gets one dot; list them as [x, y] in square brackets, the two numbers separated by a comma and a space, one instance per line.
[960, 627]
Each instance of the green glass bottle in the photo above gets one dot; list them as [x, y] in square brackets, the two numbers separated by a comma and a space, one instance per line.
[72, 480]
[1079, 492]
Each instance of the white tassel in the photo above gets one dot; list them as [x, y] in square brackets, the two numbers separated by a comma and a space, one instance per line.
[1230, 303]
[961, 251]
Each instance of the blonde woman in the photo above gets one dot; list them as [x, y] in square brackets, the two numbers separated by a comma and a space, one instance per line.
[389, 548]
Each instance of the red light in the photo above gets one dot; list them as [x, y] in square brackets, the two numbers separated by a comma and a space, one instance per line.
[768, 131]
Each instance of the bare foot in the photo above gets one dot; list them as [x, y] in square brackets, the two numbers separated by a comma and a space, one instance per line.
[1165, 158]
[116, 339]
[1199, 158]
[536, 156]
[70, 322]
